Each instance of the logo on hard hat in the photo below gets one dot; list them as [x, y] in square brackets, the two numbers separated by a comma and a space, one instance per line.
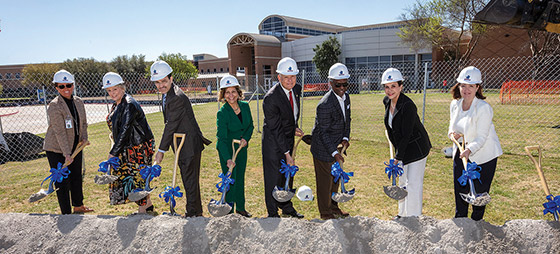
[468, 78]
[341, 73]
[64, 78]
[290, 69]
[227, 82]
[155, 72]
[389, 78]
[108, 82]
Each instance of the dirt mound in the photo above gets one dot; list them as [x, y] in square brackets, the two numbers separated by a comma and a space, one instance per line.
[26, 233]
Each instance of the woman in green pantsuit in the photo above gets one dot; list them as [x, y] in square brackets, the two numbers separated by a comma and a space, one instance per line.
[234, 121]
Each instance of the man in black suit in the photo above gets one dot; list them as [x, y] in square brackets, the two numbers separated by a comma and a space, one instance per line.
[332, 127]
[281, 113]
[179, 118]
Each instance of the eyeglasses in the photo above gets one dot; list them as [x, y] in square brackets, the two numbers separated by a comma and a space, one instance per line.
[65, 86]
[341, 84]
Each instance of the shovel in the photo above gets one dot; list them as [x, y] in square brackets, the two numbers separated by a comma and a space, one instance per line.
[470, 172]
[338, 173]
[57, 175]
[552, 205]
[171, 192]
[105, 167]
[392, 171]
[220, 207]
[148, 173]
[285, 194]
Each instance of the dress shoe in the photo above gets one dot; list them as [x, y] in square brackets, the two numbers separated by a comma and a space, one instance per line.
[341, 213]
[327, 217]
[244, 214]
[396, 217]
[192, 215]
[294, 214]
[82, 209]
[273, 216]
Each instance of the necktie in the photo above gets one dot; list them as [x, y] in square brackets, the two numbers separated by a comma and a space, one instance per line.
[163, 102]
[291, 101]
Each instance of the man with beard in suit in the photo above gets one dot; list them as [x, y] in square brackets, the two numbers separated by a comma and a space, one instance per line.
[281, 113]
[179, 118]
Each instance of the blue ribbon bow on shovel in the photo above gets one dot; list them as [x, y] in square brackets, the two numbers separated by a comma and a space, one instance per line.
[472, 172]
[113, 162]
[148, 173]
[552, 206]
[288, 171]
[338, 173]
[223, 186]
[393, 169]
[57, 175]
[170, 193]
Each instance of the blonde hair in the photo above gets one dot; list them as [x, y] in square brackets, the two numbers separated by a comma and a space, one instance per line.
[223, 92]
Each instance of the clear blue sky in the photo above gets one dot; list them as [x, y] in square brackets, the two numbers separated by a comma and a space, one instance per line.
[53, 31]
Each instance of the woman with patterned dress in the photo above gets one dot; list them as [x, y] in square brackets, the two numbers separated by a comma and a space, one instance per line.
[133, 143]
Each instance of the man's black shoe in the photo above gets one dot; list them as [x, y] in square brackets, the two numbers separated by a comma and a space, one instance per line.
[294, 214]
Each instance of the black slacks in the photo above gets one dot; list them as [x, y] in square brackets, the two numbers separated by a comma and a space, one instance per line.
[190, 174]
[272, 178]
[486, 176]
[70, 188]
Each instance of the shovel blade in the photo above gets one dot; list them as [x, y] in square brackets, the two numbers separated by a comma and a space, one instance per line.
[105, 179]
[218, 210]
[38, 196]
[468, 197]
[342, 197]
[135, 196]
[282, 195]
[395, 192]
[482, 199]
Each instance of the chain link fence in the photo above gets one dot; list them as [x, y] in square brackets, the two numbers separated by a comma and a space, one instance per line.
[523, 91]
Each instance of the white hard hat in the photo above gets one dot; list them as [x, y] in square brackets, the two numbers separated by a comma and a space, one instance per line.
[111, 79]
[63, 77]
[287, 66]
[159, 69]
[304, 193]
[338, 71]
[470, 75]
[228, 81]
[391, 75]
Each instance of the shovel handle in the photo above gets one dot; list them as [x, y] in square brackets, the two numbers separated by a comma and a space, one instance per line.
[295, 147]
[235, 141]
[177, 152]
[461, 148]
[390, 145]
[79, 148]
[538, 166]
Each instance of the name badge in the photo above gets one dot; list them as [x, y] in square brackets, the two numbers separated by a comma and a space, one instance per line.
[68, 123]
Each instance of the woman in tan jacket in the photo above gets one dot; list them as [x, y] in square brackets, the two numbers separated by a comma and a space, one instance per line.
[67, 127]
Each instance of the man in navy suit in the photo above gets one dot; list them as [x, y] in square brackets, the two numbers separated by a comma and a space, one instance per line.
[332, 127]
[281, 113]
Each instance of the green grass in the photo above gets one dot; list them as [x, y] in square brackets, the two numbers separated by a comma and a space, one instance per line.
[516, 190]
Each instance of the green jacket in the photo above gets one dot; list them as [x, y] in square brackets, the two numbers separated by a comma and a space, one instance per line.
[229, 128]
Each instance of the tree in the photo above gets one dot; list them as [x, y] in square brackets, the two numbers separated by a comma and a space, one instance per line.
[88, 74]
[543, 45]
[183, 69]
[39, 74]
[326, 55]
[445, 25]
[124, 64]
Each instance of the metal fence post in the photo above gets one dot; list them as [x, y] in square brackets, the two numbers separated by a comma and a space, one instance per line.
[425, 85]
[45, 103]
[258, 111]
[218, 91]
[302, 95]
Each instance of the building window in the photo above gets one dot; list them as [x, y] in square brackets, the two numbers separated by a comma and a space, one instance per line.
[8, 75]
[385, 59]
[214, 70]
[1, 76]
[409, 58]
[397, 59]
[201, 71]
[221, 69]
[208, 70]
[227, 69]
[18, 75]
[426, 57]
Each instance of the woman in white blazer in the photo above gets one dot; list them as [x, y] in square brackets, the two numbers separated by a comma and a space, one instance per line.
[471, 116]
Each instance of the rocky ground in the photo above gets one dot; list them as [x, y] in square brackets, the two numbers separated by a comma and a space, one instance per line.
[39, 233]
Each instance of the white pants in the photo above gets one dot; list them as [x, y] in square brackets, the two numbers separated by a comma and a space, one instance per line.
[412, 180]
